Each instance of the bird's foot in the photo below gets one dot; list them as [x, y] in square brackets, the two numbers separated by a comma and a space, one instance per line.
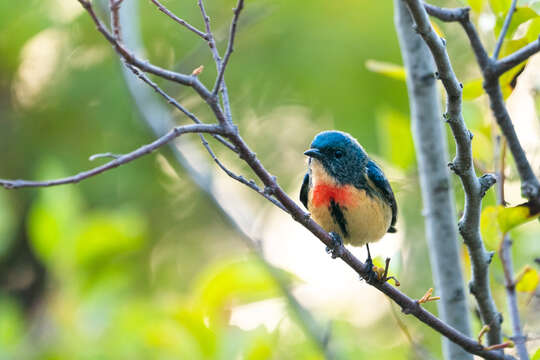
[379, 274]
[372, 276]
[427, 297]
[337, 247]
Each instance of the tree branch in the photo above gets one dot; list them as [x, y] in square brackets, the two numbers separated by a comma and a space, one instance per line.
[504, 29]
[469, 225]
[437, 195]
[175, 103]
[190, 27]
[129, 57]
[462, 15]
[230, 46]
[505, 254]
[217, 59]
[492, 70]
[249, 183]
[512, 60]
[120, 160]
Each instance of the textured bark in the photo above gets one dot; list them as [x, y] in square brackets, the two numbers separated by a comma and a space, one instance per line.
[431, 153]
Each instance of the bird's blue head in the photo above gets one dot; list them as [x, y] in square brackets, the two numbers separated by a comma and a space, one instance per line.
[341, 155]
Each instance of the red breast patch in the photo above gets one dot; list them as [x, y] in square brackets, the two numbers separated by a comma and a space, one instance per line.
[323, 193]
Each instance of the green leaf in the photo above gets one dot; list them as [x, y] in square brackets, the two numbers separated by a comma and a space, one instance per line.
[498, 220]
[510, 217]
[534, 30]
[521, 15]
[106, 234]
[11, 327]
[528, 280]
[395, 139]
[7, 223]
[234, 283]
[500, 7]
[476, 5]
[489, 227]
[393, 71]
[506, 80]
[536, 355]
[472, 89]
[53, 218]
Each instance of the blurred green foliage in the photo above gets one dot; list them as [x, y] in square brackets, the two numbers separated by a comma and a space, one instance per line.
[137, 263]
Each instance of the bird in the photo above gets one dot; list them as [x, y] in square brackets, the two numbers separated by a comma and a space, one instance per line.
[347, 193]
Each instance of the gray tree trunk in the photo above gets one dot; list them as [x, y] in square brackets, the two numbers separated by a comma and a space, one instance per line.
[438, 199]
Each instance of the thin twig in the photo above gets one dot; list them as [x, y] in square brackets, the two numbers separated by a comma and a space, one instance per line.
[504, 29]
[462, 15]
[211, 40]
[462, 165]
[230, 46]
[175, 103]
[249, 183]
[217, 59]
[505, 254]
[129, 57]
[114, 6]
[121, 160]
[178, 20]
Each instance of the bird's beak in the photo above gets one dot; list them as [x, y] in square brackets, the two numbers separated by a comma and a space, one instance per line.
[314, 153]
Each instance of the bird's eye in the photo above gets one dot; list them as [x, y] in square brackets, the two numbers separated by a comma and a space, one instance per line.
[338, 154]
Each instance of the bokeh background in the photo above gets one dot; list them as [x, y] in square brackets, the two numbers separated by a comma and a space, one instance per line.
[139, 263]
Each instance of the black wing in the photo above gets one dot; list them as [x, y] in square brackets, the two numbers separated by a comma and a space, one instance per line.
[376, 175]
[305, 190]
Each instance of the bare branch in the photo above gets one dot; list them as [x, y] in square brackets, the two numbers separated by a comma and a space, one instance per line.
[175, 103]
[462, 15]
[504, 29]
[530, 187]
[211, 40]
[462, 165]
[114, 6]
[180, 21]
[249, 183]
[512, 60]
[121, 160]
[217, 59]
[129, 57]
[505, 254]
[447, 14]
[492, 70]
[230, 46]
